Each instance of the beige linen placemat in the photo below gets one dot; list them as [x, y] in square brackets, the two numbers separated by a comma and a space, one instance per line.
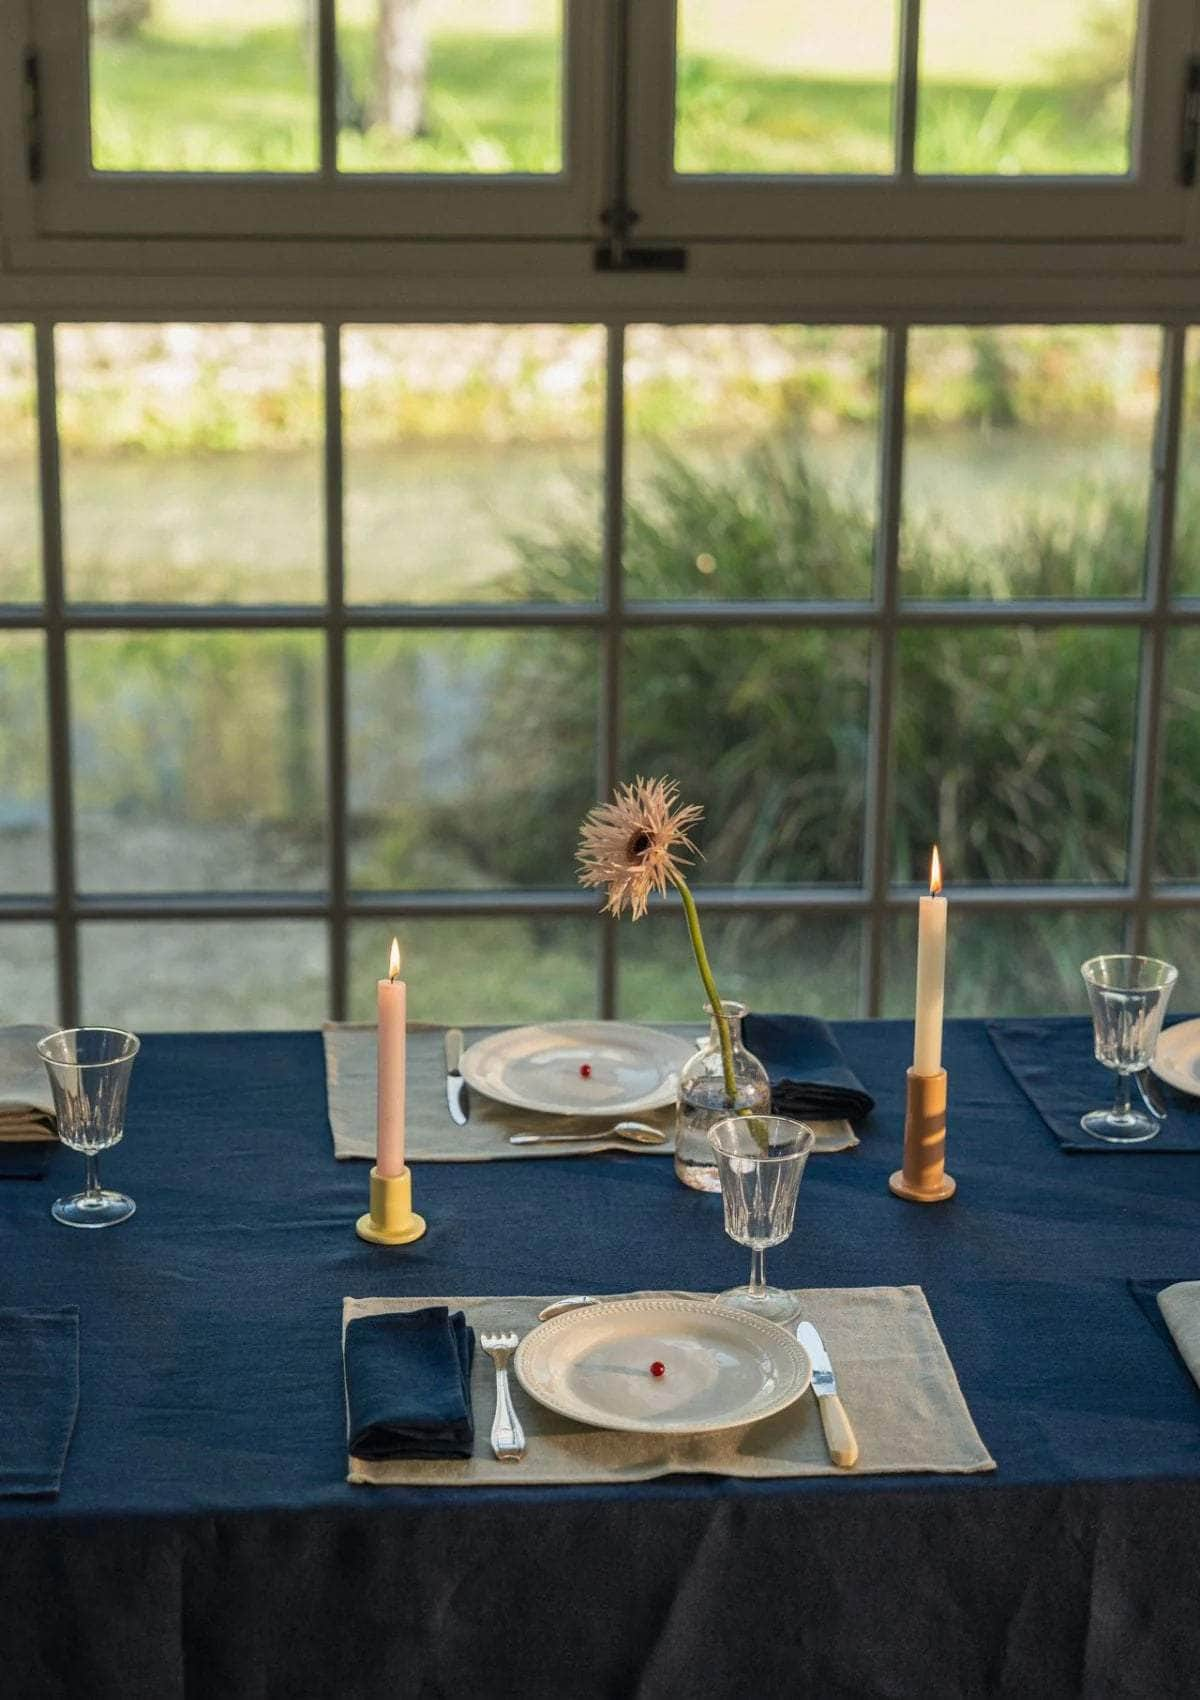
[433, 1138]
[1180, 1306]
[896, 1382]
[26, 1102]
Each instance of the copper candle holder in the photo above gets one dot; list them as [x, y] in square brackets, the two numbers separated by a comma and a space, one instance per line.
[923, 1179]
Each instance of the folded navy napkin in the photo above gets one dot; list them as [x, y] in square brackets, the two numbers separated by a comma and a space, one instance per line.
[1053, 1061]
[408, 1384]
[39, 1397]
[24, 1159]
[809, 1074]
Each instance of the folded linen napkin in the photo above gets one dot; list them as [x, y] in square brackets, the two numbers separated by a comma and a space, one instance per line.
[39, 1397]
[28, 1130]
[1180, 1307]
[810, 1076]
[408, 1384]
[26, 1102]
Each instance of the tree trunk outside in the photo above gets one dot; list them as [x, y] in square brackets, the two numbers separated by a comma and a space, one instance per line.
[401, 65]
[119, 17]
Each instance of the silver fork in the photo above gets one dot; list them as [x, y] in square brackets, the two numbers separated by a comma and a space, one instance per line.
[508, 1437]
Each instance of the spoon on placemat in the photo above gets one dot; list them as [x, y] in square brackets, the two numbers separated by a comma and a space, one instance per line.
[640, 1133]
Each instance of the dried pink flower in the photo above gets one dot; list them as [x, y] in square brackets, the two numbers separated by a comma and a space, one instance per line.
[635, 844]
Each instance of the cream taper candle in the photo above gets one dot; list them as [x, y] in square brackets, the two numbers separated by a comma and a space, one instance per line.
[931, 974]
[392, 1006]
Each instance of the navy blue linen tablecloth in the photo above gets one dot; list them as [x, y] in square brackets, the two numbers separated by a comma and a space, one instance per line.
[205, 1543]
[1054, 1063]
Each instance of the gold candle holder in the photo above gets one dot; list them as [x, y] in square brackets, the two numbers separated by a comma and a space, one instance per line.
[923, 1179]
[391, 1219]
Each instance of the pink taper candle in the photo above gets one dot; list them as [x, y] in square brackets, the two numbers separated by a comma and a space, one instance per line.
[931, 975]
[393, 1039]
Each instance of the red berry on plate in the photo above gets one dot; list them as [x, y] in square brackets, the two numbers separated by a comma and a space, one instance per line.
[585, 1070]
[657, 1368]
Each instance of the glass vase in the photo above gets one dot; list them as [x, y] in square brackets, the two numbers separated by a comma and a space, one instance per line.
[703, 1101]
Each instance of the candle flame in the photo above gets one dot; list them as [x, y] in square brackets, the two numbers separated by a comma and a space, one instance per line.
[935, 873]
[394, 960]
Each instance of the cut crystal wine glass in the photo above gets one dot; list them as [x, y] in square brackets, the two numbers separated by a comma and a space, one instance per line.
[1129, 996]
[89, 1069]
[760, 1160]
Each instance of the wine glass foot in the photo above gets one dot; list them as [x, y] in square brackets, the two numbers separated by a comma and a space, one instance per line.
[1133, 1127]
[774, 1303]
[93, 1209]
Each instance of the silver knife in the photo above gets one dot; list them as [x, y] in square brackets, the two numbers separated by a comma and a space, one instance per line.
[839, 1436]
[457, 1097]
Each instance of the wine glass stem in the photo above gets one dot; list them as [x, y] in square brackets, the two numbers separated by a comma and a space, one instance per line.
[91, 1183]
[1121, 1101]
[758, 1271]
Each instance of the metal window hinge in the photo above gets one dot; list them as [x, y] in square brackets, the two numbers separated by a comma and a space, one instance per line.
[1190, 146]
[31, 111]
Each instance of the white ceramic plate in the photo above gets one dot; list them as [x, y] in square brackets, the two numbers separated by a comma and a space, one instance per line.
[539, 1068]
[722, 1368]
[1177, 1059]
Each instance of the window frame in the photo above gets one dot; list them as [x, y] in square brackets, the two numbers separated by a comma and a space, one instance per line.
[1151, 204]
[876, 899]
[71, 201]
[618, 90]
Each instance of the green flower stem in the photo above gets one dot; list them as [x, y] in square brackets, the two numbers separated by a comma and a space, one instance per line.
[710, 985]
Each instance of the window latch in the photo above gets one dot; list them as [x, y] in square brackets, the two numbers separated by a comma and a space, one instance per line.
[1190, 148]
[31, 111]
[621, 255]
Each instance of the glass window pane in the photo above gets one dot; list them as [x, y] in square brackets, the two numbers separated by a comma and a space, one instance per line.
[1000, 963]
[1186, 562]
[171, 976]
[198, 760]
[480, 968]
[1174, 936]
[765, 87]
[1013, 750]
[192, 462]
[473, 459]
[20, 512]
[28, 990]
[751, 460]
[203, 85]
[1177, 840]
[1025, 90]
[450, 85]
[1027, 460]
[767, 731]
[769, 962]
[472, 757]
[24, 765]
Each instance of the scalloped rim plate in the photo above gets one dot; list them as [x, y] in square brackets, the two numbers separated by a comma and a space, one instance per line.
[538, 1068]
[722, 1368]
